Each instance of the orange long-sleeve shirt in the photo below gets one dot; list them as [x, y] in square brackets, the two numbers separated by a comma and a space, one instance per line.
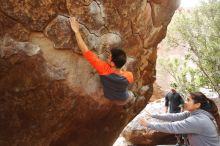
[115, 85]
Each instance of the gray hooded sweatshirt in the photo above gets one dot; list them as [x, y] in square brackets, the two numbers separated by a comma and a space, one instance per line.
[198, 125]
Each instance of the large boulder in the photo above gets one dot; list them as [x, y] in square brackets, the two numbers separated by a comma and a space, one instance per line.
[139, 135]
[47, 88]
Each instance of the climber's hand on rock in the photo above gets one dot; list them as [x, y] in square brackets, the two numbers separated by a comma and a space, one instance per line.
[74, 24]
[143, 122]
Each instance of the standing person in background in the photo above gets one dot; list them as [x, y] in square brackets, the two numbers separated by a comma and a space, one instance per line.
[201, 123]
[174, 104]
[173, 101]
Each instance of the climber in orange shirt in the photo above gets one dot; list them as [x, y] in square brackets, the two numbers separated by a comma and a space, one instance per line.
[115, 81]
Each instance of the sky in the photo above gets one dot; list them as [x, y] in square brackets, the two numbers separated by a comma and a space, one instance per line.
[189, 3]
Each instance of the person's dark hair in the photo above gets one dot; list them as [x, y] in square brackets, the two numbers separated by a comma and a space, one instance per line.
[118, 57]
[207, 105]
[173, 85]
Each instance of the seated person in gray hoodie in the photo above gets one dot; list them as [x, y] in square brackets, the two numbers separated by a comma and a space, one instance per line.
[201, 123]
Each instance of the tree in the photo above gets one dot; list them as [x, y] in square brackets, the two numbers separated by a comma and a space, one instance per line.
[186, 77]
[198, 30]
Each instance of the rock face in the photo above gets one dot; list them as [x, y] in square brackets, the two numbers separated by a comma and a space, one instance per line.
[46, 85]
[158, 93]
[139, 135]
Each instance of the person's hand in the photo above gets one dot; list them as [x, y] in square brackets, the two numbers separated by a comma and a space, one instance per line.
[143, 122]
[74, 24]
[166, 109]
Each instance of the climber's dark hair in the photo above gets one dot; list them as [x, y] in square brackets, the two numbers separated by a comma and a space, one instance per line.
[207, 105]
[118, 57]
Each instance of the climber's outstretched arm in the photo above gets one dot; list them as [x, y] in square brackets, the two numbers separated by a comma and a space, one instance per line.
[75, 27]
[92, 58]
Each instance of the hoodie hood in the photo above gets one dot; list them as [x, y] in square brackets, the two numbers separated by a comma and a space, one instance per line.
[200, 111]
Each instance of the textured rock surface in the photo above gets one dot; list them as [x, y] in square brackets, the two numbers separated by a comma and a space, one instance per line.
[45, 84]
[139, 135]
[158, 93]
